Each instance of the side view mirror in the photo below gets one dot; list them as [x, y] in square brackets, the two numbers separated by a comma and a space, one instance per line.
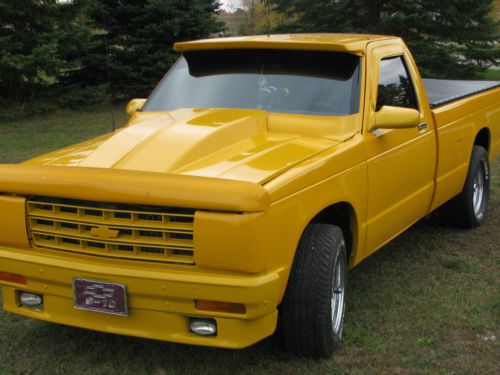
[134, 105]
[389, 117]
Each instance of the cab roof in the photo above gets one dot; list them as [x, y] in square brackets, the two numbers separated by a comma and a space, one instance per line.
[352, 43]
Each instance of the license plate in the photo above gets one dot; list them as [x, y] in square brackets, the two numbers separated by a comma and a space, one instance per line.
[100, 296]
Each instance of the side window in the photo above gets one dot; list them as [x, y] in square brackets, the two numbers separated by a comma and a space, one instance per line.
[395, 87]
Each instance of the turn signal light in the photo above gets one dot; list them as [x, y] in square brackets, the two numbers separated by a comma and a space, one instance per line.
[227, 307]
[13, 278]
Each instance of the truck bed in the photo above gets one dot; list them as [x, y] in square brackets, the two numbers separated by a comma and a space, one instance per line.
[442, 91]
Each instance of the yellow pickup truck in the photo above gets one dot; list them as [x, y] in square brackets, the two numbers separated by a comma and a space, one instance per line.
[255, 175]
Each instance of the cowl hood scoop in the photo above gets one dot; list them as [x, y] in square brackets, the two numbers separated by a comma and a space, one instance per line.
[225, 143]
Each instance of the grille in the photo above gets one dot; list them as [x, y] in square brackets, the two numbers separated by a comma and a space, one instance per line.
[113, 230]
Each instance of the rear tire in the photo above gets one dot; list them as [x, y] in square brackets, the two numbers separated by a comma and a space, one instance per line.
[314, 304]
[468, 209]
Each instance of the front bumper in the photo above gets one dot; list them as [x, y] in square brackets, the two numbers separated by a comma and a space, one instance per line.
[161, 299]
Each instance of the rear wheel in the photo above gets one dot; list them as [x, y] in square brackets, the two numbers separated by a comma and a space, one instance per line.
[468, 209]
[314, 304]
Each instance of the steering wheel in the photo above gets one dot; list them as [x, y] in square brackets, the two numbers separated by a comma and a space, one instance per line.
[266, 97]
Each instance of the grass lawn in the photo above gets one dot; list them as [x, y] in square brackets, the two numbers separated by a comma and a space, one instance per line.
[492, 74]
[427, 303]
[21, 140]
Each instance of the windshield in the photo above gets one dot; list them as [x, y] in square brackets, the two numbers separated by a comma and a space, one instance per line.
[283, 81]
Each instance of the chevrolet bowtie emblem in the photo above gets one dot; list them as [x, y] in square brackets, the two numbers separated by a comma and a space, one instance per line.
[104, 233]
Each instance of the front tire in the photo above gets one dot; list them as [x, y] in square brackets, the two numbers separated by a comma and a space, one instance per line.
[468, 209]
[314, 303]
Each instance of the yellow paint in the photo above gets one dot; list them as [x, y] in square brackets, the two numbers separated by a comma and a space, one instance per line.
[134, 187]
[396, 118]
[354, 43]
[150, 287]
[457, 124]
[134, 105]
[104, 233]
[13, 222]
[400, 162]
[254, 181]
[112, 232]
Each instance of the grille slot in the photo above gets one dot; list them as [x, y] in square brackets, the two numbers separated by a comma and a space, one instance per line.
[113, 230]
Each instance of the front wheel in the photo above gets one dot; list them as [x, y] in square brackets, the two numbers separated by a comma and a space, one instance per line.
[468, 209]
[314, 303]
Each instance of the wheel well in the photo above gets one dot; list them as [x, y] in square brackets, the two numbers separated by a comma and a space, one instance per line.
[342, 215]
[483, 139]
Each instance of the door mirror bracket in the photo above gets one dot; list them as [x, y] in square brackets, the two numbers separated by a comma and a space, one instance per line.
[134, 106]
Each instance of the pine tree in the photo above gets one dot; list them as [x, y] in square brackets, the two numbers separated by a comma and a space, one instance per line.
[40, 44]
[139, 38]
[450, 39]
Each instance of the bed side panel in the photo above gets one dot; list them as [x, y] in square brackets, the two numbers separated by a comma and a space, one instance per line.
[457, 124]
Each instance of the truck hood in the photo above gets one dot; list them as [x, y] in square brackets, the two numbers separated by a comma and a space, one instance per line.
[225, 143]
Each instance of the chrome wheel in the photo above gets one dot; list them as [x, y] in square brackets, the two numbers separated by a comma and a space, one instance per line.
[338, 294]
[478, 191]
[469, 208]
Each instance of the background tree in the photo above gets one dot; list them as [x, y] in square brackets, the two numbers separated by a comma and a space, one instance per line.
[456, 38]
[262, 17]
[40, 43]
[139, 36]
[54, 50]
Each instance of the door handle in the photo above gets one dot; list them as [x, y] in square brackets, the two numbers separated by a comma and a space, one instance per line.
[422, 127]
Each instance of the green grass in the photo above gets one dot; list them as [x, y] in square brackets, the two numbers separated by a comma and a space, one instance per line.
[23, 139]
[424, 304]
[492, 75]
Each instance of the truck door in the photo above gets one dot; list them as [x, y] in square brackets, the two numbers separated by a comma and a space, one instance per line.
[401, 162]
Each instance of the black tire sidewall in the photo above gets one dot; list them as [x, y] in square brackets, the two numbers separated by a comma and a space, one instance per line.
[479, 159]
[306, 308]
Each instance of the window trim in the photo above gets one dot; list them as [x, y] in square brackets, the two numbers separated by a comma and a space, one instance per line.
[408, 73]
